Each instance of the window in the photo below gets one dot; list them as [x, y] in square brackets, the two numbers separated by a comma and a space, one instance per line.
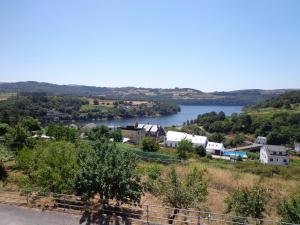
[280, 153]
[284, 160]
[271, 160]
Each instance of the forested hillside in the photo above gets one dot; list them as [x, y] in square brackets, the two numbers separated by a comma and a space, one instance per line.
[185, 96]
[68, 108]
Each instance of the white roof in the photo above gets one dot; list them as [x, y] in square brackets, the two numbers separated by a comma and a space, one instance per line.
[147, 127]
[179, 136]
[140, 125]
[154, 128]
[196, 139]
[215, 145]
[175, 136]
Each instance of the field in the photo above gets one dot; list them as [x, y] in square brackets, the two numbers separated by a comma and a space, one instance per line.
[5, 96]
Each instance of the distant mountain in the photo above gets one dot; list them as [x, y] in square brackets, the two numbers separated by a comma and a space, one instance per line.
[181, 95]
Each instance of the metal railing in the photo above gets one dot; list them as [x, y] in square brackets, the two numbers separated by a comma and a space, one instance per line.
[142, 214]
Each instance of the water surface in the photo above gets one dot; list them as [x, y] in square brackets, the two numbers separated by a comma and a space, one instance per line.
[188, 112]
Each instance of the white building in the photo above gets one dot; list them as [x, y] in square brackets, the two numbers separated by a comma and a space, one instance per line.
[214, 148]
[261, 140]
[274, 155]
[173, 137]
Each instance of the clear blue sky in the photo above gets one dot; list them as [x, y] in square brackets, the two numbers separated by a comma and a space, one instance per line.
[204, 44]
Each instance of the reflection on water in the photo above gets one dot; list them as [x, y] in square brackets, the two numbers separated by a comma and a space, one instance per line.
[187, 113]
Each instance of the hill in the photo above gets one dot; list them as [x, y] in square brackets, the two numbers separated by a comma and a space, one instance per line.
[186, 96]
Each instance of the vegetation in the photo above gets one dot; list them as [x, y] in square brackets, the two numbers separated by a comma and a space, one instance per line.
[181, 192]
[150, 145]
[185, 96]
[62, 109]
[247, 201]
[183, 148]
[109, 172]
[290, 209]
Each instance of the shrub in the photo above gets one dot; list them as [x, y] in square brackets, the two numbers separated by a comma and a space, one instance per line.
[247, 201]
[3, 173]
[150, 145]
[24, 159]
[289, 209]
[183, 148]
[200, 150]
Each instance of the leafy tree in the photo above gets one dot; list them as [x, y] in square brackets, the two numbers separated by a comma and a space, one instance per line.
[24, 159]
[200, 150]
[150, 145]
[54, 167]
[117, 135]
[62, 133]
[217, 137]
[109, 172]
[17, 137]
[98, 133]
[31, 124]
[247, 201]
[181, 191]
[183, 148]
[290, 209]
[3, 128]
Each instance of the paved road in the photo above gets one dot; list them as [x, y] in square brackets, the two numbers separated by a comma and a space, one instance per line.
[14, 215]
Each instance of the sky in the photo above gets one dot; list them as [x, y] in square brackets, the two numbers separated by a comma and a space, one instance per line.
[210, 45]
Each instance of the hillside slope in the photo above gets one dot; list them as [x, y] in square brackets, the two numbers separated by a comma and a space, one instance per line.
[180, 95]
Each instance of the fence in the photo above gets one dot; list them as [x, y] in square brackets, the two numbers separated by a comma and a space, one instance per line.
[127, 214]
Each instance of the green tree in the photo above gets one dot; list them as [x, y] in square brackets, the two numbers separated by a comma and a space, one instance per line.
[247, 201]
[17, 137]
[150, 145]
[31, 124]
[62, 133]
[200, 150]
[98, 133]
[109, 172]
[217, 137]
[289, 209]
[54, 166]
[181, 192]
[183, 148]
[4, 128]
[117, 135]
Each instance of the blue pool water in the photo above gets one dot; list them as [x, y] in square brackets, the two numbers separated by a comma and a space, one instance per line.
[232, 153]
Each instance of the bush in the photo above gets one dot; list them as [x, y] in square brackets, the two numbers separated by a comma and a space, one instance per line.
[247, 201]
[150, 145]
[3, 173]
[201, 151]
[289, 209]
[24, 159]
[3, 128]
[183, 148]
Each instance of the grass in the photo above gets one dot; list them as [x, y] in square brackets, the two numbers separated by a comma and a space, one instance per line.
[150, 155]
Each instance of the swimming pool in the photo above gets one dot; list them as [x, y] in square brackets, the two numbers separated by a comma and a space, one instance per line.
[235, 154]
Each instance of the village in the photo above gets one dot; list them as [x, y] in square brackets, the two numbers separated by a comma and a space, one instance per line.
[268, 154]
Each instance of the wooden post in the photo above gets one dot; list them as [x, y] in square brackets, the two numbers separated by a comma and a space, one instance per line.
[147, 210]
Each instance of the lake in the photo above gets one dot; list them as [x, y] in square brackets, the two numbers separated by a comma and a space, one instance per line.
[188, 112]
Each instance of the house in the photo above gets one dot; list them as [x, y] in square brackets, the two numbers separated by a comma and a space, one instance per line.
[214, 148]
[135, 134]
[173, 137]
[261, 140]
[274, 155]
[297, 148]
[155, 131]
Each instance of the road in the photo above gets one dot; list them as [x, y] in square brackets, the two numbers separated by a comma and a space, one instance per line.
[14, 215]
